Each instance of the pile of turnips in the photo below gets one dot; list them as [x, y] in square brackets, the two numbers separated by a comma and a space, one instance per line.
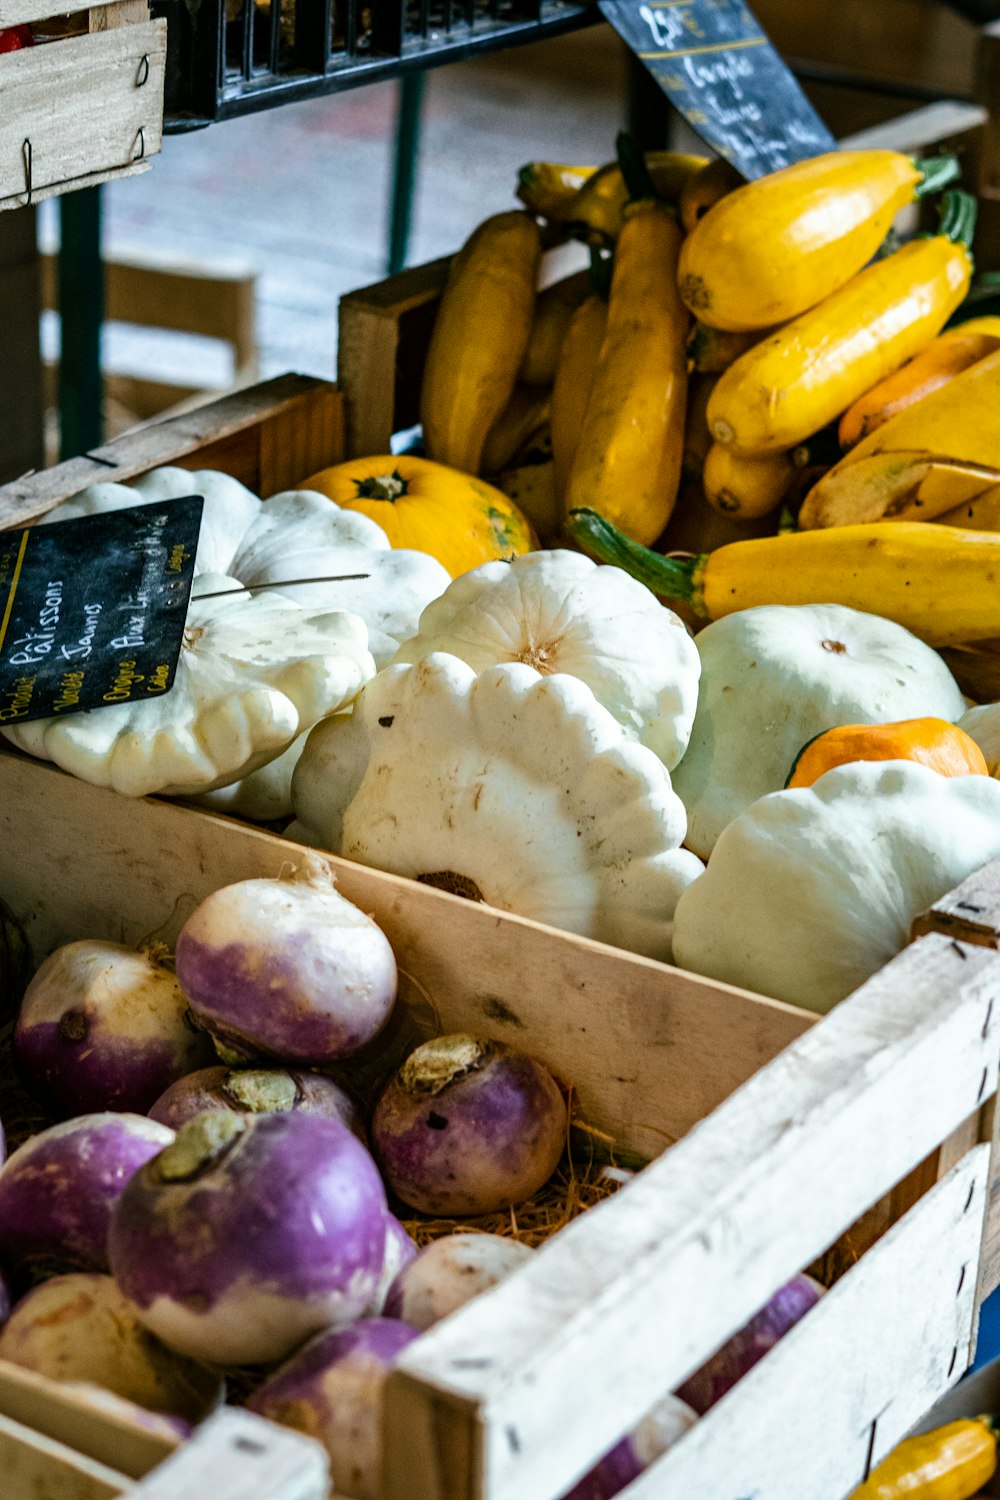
[210, 1197]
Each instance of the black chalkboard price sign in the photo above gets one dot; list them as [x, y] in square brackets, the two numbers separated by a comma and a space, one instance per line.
[92, 611]
[717, 67]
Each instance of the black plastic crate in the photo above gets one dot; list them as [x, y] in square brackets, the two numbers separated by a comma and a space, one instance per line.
[229, 57]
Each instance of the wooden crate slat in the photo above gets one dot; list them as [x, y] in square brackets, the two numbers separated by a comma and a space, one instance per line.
[241, 427]
[68, 1414]
[790, 1404]
[238, 1456]
[578, 1001]
[33, 1467]
[21, 12]
[48, 90]
[752, 1194]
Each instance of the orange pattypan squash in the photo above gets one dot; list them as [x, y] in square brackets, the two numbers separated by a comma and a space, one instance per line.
[457, 518]
[930, 742]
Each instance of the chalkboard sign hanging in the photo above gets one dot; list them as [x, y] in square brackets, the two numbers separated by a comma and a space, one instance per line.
[716, 66]
[92, 611]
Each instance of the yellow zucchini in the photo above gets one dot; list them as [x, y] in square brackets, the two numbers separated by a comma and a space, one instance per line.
[598, 211]
[547, 188]
[479, 339]
[802, 377]
[571, 391]
[938, 582]
[745, 488]
[704, 189]
[554, 308]
[980, 514]
[697, 438]
[776, 247]
[881, 475]
[712, 350]
[950, 1463]
[628, 461]
[519, 427]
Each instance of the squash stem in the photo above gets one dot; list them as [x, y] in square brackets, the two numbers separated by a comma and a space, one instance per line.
[600, 273]
[958, 217]
[936, 172]
[632, 165]
[668, 577]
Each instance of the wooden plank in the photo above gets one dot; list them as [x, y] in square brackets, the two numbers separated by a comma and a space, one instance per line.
[68, 1415]
[100, 865]
[20, 12]
[199, 436]
[238, 1456]
[630, 1298]
[851, 1378]
[384, 331]
[48, 90]
[33, 1467]
[914, 131]
[111, 13]
[90, 179]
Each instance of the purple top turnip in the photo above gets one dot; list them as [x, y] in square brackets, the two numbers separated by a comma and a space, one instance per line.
[400, 1250]
[286, 968]
[80, 1327]
[249, 1234]
[104, 1027]
[449, 1273]
[468, 1126]
[730, 1363]
[58, 1189]
[256, 1091]
[332, 1390]
[669, 1420]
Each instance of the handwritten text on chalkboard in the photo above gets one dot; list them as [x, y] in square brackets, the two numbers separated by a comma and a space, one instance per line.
[717, 67]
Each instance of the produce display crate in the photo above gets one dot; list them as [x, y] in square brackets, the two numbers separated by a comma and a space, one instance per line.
[232, 57]
[85, 104]
[862, 1140]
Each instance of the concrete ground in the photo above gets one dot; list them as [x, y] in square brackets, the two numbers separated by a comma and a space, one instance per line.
[301, 193]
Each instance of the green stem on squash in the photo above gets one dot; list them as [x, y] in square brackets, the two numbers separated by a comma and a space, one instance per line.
[958, 217]
[936, 172]
[667, 577]
[632, 165]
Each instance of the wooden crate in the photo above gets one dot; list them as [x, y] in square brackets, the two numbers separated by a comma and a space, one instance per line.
[85, 104]
[791, 1129]
[385, 329]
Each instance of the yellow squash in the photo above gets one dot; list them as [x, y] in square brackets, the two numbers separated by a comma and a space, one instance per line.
[460, 520]
[745, 488]
[480, 336]
[802, 377]
[935, 743]
[705, 188]
[547, 188]
[697, 438]
[939, 582]
[712, 350]
[883, 475]
[776, 247]
[554, 309]
[519, 428]
[574, 377]
[950, 353]
[598, 211]
[628, 462]
[950, 1463]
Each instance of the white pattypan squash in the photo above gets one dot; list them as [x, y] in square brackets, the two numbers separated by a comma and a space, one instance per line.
[255, 672]
[506, 786]
[265, 796]
[560, 612]
[300, 534]
[297, 534]
[982, 723]
[774, 677]
[810, 891]
[229, 510]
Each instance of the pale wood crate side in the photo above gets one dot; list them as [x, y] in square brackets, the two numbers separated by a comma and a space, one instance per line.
[236, 1455]
[649, 1050]
[90, 179]
[21, 12]
[33, 1467]
[48, 90]
[931, 125]
[875, 1353]
[629, 1299]
[69, 1415]
[195, 438]
[305, 440]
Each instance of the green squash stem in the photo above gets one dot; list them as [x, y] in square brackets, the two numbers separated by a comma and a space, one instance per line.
[667, 577]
